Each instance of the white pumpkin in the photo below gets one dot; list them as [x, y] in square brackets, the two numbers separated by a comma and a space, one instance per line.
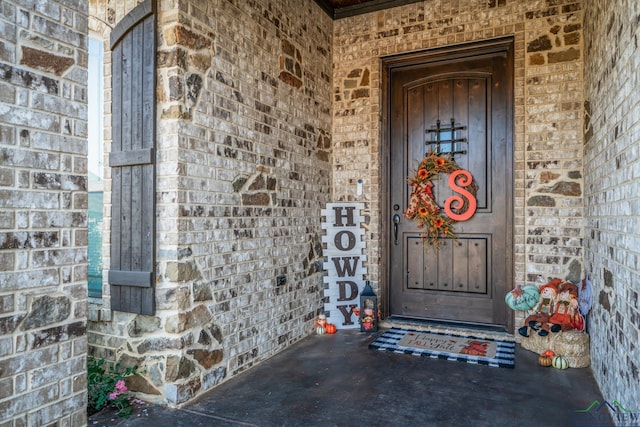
[560, 362]
[320, 330]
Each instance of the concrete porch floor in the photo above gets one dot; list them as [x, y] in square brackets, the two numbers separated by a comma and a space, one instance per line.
[335, 380]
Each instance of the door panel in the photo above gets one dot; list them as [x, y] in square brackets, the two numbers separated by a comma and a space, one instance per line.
[465, 280]
[425, 271]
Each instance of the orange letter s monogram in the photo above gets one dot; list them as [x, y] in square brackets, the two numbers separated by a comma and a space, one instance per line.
[465, 180]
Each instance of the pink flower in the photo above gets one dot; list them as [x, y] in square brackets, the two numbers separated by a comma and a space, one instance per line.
[113, 395]
[121, 387]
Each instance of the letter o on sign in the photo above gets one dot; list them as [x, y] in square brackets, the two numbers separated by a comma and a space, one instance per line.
[351, 240]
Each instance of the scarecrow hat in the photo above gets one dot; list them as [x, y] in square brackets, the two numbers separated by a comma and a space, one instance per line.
[553, 284]
[568, 286]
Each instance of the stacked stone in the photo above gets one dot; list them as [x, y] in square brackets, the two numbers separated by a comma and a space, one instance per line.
[553, 152]
[43, 219]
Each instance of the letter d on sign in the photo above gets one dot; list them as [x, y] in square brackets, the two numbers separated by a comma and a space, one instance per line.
[342, 286]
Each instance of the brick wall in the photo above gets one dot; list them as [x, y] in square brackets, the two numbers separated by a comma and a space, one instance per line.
[43, 203]
[548, 183]
[245, 101]
[612, 237]
[244, 168]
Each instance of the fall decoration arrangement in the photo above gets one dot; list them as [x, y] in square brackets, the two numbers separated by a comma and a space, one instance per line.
[423, 207]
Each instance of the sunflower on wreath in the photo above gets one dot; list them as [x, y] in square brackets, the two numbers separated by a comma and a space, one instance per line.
[423, 207]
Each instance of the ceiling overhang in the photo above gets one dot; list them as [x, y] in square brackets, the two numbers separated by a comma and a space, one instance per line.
[338, 9]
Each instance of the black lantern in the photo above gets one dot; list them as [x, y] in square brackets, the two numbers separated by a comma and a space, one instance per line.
[368, 310]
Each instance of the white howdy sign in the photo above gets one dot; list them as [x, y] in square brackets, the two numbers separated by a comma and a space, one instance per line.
[345, 271]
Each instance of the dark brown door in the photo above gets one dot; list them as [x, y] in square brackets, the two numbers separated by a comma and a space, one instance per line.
[465, 280]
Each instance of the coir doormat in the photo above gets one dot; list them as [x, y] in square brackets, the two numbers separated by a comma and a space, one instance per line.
[481, 351]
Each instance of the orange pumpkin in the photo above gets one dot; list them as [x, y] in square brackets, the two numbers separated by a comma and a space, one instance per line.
[545, 361]
[548, 353]
[330, 328]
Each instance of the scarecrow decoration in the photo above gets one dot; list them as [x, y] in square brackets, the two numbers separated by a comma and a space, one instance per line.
[556, 310]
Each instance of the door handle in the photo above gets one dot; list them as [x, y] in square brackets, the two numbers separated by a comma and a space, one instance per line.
[396, 221]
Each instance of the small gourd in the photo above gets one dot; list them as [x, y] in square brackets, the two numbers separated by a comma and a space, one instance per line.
[560, 362]
[545, 361]
[322, 320]
[320, 330]
[330, 328]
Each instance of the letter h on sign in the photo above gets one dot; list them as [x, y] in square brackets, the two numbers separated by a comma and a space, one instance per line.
[345, 271]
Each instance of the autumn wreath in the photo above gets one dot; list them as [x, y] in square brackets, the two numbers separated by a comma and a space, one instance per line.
[423, 207]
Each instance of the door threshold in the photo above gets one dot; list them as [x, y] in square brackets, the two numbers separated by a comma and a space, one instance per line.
[469, 329]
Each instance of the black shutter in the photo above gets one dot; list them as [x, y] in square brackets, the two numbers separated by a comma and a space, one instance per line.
[132, 162]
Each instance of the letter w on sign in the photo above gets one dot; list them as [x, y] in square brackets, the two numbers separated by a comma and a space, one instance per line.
[347, 267]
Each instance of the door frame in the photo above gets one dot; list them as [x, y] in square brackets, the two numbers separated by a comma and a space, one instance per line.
[406, 60]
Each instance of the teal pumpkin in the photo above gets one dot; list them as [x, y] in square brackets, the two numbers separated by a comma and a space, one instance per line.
[522, 297]
[560, 362]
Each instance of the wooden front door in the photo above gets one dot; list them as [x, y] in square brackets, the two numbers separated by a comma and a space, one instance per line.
[468, 89]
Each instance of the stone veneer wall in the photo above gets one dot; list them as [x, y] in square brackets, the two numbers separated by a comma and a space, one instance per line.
[548, 216]
[244, 168]
[43, 220]
[612, 201]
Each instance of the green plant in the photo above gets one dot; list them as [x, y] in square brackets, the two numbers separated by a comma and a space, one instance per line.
[106, 387]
